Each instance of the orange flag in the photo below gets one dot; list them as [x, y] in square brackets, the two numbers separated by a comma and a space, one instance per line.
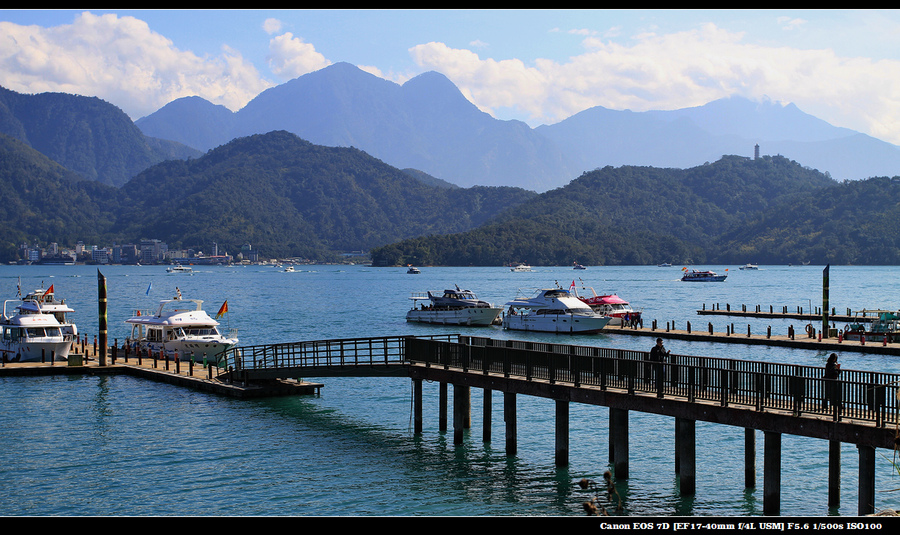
[222, 310]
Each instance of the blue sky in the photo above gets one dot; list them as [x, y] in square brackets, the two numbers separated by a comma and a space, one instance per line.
[539, 66]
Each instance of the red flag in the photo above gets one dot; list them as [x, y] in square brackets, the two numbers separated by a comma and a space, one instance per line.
[222, 310]
[49, 290]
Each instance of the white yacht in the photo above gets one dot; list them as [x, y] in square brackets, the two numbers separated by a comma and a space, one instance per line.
[521, 268]
[552, 310]
[38, 330]
[179, 326]
[178, 268]
[454, 307]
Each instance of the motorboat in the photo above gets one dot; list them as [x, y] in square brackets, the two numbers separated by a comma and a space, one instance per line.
[608, 305]
[454, 307]
[178, 268]
[702, 276]
[874, 326]
[664, 264]
[749, 266]
[521, 268]
[578, 266]
[39, 329]
[289, 269]
[552, 310]
[413, 270]
[179, 327]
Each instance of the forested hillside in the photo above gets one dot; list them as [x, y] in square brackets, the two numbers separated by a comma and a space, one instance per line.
[736, 210]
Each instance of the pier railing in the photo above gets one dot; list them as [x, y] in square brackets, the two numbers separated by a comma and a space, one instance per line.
[343, 352]
[860, 395]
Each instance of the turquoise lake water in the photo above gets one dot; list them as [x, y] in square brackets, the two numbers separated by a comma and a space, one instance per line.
[78, 445]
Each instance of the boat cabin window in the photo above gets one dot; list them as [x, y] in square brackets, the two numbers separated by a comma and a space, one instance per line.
[154, 335]
[40, 332]
[202, 331]
[12, 333]
[556, 293]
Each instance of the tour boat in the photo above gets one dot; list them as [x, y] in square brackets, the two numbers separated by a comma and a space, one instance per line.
[39, 330]
[179, 327]
[521, 268]
[413, 270]
[608, 305]
[454, 307]
[553, 310]
[749, 266]
[702, 276]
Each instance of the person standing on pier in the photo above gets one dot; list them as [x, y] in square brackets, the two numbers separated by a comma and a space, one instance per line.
[657, 356]
[832, 386]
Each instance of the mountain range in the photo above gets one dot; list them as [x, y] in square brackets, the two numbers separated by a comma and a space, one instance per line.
[427, 124]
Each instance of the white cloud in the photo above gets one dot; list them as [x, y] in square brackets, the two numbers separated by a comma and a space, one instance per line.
[678, 70]
[120, 60]
[271, 26]
[290, 57]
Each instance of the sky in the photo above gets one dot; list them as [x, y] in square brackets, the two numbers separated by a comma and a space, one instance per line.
[537, 66]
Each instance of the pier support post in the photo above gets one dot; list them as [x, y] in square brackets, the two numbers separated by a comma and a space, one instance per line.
[772, 474]
[562, 432]
[417, 406]
[687, 455]
[509, 416]
[461, 416]
[749, 458]
[442, 408]
[834, 473]
[618, 428]
[866, 480]
[486, 416]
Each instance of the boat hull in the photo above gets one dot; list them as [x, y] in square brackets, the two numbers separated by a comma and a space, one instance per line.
[561, 323]
[35, 351]
[480, 316]
[717, 278]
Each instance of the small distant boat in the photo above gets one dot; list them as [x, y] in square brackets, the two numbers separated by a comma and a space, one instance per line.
[749, 266]
[521, 268]
[178, 268]
[553, 310]
[702, 276]
[454, 307]
[578, 266]
[289, 269]
[413, 270]
[664, 264]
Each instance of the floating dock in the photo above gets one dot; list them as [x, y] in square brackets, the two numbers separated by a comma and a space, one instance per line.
[181, 374]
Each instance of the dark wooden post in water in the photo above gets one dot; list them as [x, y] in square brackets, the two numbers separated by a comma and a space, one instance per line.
[825, 301]
[772, 474]
[442, 407]
[486, 416]
[866, 504]
[417, 406]
[749, 458]
[834, 473]
[509, 416]
[101, 291]
[562, 432]
[687, 455]
[461, 412]
[618, 428]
